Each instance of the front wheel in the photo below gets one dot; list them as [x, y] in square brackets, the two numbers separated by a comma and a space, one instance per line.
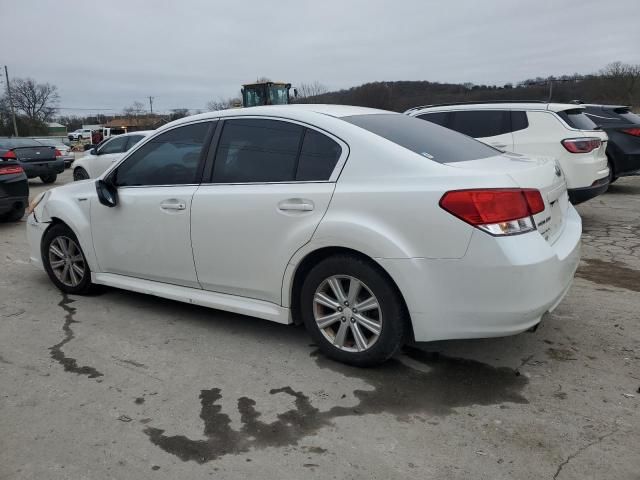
[64, 260]
[353, 311]
[49, 178]
[80, 173]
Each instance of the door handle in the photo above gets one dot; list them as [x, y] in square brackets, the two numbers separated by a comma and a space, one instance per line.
[173, 205]
[499, 145]
[296, 204]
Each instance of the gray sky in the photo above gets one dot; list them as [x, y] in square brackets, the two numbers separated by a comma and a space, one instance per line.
[184, 53]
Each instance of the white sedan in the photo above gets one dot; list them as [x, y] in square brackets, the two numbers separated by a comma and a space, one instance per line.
[103, 156]
[370, 227]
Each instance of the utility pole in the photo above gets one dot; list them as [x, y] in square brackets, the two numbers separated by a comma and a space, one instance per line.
[13, 112]
[151, 104]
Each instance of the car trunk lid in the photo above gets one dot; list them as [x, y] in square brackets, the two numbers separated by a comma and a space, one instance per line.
[541, 173]
[35, 154]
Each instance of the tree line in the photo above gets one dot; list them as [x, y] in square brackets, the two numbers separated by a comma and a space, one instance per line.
[617, 83]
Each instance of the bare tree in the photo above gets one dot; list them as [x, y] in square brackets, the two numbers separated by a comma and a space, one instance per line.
[37, 101]
[177, 113]
[313, 89]
[627, 79]
[134, 110]
[222, 104]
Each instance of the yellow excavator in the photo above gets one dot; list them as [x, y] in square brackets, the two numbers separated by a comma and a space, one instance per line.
[266, 93]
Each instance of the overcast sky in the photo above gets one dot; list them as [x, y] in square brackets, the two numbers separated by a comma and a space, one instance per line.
[184, 53]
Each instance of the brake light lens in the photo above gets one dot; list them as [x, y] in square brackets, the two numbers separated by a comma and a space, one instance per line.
[11, 170]
[498, 211]
[632, 131]
[9, 155]
[581, 145]
[58, 153]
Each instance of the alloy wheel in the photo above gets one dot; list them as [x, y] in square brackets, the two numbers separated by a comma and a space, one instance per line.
[66, 261]
[347, 313]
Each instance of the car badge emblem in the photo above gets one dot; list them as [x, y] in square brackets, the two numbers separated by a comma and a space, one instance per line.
[37, 153]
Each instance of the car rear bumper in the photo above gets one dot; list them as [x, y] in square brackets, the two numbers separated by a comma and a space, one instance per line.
[8, 204]
[502, 286]
[36, 169]
[579, 195]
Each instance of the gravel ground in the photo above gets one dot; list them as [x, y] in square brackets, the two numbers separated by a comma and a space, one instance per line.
[122, 385]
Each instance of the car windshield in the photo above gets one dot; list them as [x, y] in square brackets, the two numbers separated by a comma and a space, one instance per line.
[424, 138]
[629, 116]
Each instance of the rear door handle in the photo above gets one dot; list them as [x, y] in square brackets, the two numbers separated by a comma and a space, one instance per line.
[173, 204]
[296, 204]
[499, 145]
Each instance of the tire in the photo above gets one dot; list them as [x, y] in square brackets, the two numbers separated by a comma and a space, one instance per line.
[49, 178]
[75, 280]
[612, 172]
[80, 173]
[79, 137]
[14, 215]
[388, 318]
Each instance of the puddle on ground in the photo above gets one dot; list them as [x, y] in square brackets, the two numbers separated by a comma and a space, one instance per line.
[56, 352]
[615, 274]
[396, 388]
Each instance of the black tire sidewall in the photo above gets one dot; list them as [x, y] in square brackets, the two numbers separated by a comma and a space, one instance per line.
[393, 311]
[82, 172]
[62, 230]
[49, 178]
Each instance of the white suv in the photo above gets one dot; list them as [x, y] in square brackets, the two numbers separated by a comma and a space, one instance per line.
[80, 134]
[561, 131]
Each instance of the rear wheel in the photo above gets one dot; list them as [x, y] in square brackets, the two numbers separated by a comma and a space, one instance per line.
[49, 178]
[80, 173]
[64, 260]
[612, 172]
[14, 215]
[353, 311]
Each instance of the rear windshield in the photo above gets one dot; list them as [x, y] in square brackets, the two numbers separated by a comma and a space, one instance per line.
[577, 119]
[424, 138]
[628, 115]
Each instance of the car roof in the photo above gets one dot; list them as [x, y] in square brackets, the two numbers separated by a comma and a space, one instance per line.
[299, 111]
[553, 107]
[605, 107]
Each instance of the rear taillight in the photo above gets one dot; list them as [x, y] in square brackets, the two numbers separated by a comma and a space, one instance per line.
[499, 211]
[581, 145]
[10, 170]
[9, 155]
[632, 131]
[58, 153]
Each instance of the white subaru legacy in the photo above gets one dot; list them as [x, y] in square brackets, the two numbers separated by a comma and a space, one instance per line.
[371, 227]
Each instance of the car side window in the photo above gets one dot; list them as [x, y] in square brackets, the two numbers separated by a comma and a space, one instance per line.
[519, 121]
[116, 145]
[133, 139]
[257, 150]
[439, 118]
[318, 157]
[480, 123]
[171, 158]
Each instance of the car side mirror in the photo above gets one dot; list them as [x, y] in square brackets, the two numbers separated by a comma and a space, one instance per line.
[107, 193]
[93, 151]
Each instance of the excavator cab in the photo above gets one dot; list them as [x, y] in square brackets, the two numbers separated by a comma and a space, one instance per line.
[266, 93]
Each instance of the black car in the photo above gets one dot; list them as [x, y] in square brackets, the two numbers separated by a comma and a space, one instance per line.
[36, 159]
[14, 191]
[623, 128]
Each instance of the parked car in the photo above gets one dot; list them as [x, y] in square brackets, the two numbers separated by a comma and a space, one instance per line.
[14, 191]
[80, 134]
[623, 128]
[103, 156]
[369, 226]
[36, 160]
[561, 131]
[65, 150]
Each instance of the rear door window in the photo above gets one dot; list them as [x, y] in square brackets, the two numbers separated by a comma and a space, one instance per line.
[257, 151]
[318, 157]
[577, 119]
[439, 118]
[519, 121]
[480, 123]
[424, 138]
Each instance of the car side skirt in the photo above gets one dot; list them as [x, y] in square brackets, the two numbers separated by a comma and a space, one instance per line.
[204, 298]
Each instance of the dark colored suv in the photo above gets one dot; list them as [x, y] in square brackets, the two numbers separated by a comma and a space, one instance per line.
[14, 191]
[623, 128]
[36, 159]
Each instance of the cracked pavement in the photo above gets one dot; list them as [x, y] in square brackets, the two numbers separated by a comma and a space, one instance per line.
[122, 385]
